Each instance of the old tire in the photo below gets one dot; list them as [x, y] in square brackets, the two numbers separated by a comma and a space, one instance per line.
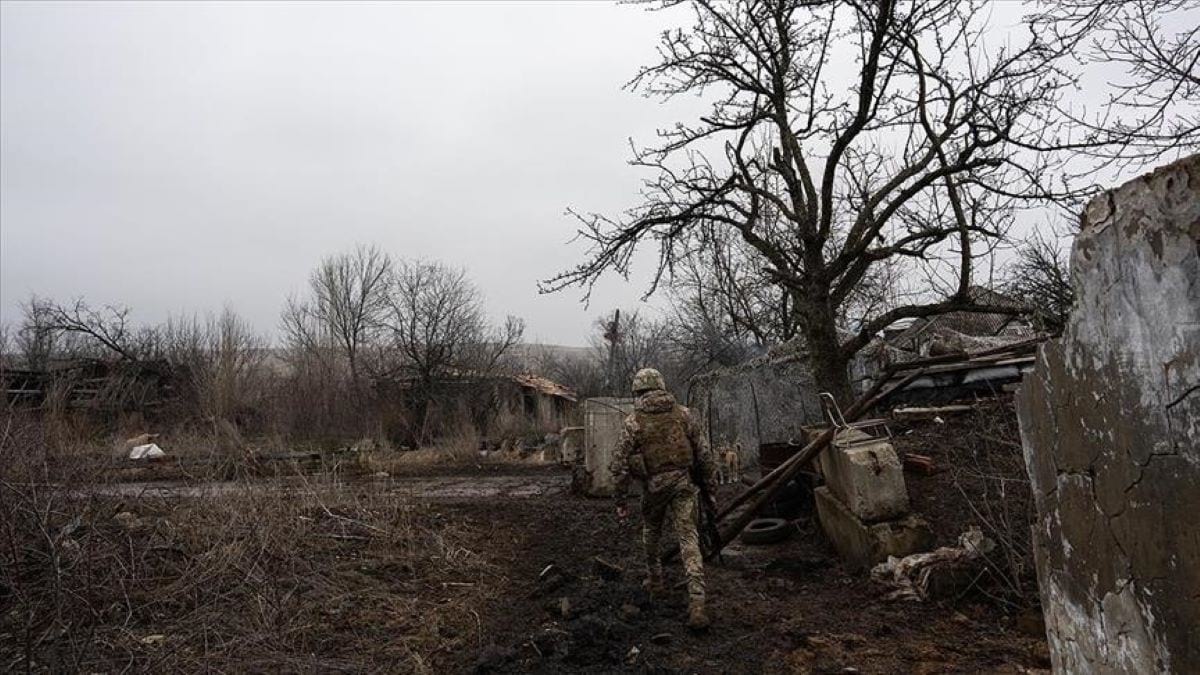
[766, 531]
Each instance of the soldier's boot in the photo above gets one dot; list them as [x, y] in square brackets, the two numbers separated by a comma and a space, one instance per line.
[697, 618]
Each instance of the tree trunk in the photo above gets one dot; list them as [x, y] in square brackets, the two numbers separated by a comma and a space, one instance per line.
[829, 365]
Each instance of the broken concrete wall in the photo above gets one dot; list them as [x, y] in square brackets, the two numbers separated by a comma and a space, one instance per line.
[863, 506]
[1110, 423]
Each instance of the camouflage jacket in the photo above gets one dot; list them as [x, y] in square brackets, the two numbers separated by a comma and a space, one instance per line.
[629, 461]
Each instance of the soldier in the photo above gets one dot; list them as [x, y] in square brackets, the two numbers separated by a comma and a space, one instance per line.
[659, 448]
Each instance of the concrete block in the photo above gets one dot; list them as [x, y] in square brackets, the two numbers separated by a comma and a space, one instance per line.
[603, 421]
[865, 474]
[865, 544]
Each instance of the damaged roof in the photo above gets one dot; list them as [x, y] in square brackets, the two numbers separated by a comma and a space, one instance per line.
[544, 386]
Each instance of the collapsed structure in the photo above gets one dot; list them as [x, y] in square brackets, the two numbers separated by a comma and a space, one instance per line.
[526, 401]
[768, 401]
[101, 385]
[1110, 423]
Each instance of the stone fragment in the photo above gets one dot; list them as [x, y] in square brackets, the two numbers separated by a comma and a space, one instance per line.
[864, 544]
[866, 475]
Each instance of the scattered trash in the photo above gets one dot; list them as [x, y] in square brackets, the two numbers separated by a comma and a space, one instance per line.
[940, 573]
[607, 570]
[922, 464]
[766, 531]
[147, 451]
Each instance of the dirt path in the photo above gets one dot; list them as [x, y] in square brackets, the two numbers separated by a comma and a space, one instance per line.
[787, 608]
[784, 608]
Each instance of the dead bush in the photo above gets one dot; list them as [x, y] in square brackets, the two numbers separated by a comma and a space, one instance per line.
[233, 577]
[981, 480]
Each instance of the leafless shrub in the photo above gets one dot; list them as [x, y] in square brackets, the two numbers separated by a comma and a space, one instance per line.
[222, 358]
[237, 578]
[983, 483]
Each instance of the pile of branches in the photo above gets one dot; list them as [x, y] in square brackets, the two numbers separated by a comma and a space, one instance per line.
[980, 480]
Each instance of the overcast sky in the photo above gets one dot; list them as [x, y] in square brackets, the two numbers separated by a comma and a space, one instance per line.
[175, 158]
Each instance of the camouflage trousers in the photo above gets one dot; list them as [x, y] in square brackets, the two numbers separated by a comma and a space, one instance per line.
[675, 498]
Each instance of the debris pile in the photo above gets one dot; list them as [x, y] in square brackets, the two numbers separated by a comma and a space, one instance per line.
[945, 572]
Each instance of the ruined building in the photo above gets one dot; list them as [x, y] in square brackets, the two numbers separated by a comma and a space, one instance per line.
[1110, 423]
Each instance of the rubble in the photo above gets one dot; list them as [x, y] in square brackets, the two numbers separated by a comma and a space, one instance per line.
[864, 474]
[863, 506]
[945, 572]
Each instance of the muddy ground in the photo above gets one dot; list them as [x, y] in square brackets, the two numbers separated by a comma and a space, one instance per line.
[443, 568]
[788, 607]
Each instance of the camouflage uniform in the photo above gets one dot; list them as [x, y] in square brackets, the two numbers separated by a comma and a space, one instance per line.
[660, 444]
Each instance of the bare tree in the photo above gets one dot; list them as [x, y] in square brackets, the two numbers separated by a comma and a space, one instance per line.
[725, 309]
[1149, 55]
[439, 331]
[82, 330]
[221, 356]
[1041, 278]
[584, 373]
[345, 308]
[919, 162]
[625, 342]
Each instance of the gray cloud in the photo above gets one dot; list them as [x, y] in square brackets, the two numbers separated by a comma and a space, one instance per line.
[178, 157]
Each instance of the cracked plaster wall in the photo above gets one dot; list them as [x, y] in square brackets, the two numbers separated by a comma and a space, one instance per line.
[1110, 423]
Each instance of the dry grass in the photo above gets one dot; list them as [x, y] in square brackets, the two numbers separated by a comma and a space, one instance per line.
[319, 577]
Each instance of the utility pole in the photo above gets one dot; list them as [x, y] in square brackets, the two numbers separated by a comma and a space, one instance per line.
[612, 335]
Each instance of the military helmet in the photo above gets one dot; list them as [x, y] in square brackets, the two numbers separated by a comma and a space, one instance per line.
[648, 379]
